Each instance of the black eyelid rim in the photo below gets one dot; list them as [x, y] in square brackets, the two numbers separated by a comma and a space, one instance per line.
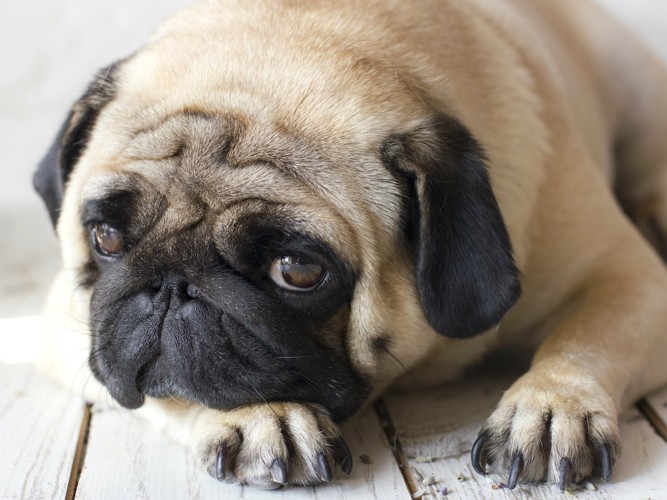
[313, 249]
[324, 281]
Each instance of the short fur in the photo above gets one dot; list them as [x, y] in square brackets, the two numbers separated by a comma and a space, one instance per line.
[436, 157]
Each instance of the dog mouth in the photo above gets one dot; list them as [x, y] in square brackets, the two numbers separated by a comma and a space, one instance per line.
[144, 379]
[228, 378]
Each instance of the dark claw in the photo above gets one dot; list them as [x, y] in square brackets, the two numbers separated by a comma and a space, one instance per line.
[325, 468]
[477, 454]
[605, 462]
[515, 469]
[279, 471]
[565, 473]
[220, 463]
[344, 456]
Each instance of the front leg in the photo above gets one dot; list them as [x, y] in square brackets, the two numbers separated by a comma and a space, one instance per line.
[559, 422]
[265, 445]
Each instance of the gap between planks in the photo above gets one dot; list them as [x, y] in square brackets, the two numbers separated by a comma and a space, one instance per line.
[381, 410]
[653, 418]
[79, 454]
[395, 444]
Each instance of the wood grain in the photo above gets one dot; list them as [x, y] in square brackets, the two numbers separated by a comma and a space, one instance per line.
[39, 426]
[437, 428]
[656, 410]
[127, 459]
[124, 458]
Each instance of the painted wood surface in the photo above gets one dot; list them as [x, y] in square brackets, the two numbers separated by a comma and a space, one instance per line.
[425, 434]
[125, 459]
[436, 430]
[658, 402]
[39, 426]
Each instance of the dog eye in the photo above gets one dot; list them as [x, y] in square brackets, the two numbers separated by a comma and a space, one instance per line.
[296, 273]
[107, 240]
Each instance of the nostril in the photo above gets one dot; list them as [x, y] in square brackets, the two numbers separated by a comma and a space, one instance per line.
[192, 291]
[156, 286]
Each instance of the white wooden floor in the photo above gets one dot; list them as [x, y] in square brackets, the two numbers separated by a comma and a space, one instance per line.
[53, 446]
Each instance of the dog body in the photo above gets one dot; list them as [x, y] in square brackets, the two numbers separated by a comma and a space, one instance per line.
[418, 159]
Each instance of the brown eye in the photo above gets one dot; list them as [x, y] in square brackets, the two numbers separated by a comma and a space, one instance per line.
[296, 273]
[107, 240]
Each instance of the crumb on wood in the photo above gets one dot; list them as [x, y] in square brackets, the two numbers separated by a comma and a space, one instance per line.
[429, 480]
[498, 486]
[419, 493]
[569, 493]
[444, 491]
[461, 477]
[365, 459]
[424, 459]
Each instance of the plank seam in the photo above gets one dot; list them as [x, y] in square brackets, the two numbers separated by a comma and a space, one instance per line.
[396, 447]
[79, 454]
[658, 424]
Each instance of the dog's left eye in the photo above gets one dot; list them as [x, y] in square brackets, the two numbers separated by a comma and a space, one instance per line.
[107, 240]
[296, 273]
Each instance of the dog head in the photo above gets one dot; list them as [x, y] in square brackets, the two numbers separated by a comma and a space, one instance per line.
[247, 221]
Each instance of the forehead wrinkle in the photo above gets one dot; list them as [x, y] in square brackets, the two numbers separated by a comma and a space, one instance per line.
[290, 152]
[300, 159]
[188, 131]
[263, 162]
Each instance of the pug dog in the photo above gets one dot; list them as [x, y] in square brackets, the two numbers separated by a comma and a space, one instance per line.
[275, 209]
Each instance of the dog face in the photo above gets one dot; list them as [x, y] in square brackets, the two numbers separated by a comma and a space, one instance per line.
[242, 234]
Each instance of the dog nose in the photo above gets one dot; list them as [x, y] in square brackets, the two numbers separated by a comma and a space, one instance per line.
[171, 291]
[175, 288]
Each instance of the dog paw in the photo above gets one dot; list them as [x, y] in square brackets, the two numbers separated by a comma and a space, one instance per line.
[554, 428]
[271, 445]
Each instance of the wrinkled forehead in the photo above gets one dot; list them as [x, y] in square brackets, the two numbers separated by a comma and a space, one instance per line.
[189, 167]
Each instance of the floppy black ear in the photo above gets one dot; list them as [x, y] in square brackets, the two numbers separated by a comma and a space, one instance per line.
[464, 268]
[52, 172]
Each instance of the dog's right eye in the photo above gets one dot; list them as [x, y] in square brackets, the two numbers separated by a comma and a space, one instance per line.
[107, 240]
[296, 273]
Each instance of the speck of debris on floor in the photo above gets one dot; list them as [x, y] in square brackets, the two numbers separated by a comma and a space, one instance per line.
[444, 491]
[498, 486]
[424, 459]
[429, 480]
[419, 493]
[365, 459]
[460, 478]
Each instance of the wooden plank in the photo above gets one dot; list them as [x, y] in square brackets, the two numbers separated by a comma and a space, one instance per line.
[39, 426]
[656, 410]
[436, 429]
[127, 459]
